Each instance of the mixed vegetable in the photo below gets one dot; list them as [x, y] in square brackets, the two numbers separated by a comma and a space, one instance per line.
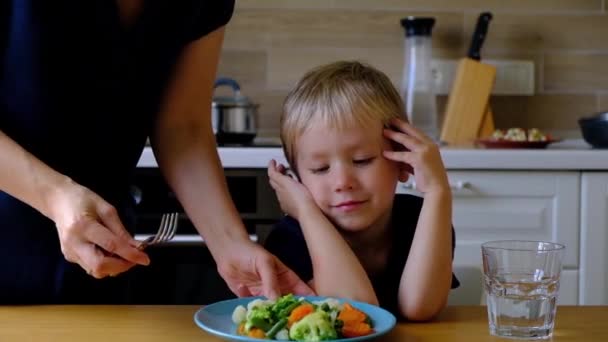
[291, 318]
[520, 134]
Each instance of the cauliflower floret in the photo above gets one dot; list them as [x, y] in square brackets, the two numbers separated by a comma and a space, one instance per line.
[536, 135]
[258, 302]
[282, 335]
[239, 314]
[515, 134]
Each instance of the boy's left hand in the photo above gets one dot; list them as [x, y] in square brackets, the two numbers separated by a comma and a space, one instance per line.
[292, 195]
[421, 154]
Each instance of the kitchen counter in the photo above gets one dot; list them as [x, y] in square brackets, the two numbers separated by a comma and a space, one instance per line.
[175, 323]
[566, 155]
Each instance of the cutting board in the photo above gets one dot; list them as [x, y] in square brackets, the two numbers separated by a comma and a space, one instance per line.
[468, 103]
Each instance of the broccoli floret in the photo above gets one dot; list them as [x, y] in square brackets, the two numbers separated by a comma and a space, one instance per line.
[283, 306]
[314, 327]
[259, 317]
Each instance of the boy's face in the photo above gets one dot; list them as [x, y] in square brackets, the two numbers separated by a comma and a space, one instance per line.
[347, 175]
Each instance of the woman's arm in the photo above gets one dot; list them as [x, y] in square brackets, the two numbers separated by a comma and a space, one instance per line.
[84, 221]
[185, 149]
[336, 270]
[26, 178]
[426, 279]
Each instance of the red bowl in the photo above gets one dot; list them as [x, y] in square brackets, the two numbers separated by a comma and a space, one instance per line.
[499, 143]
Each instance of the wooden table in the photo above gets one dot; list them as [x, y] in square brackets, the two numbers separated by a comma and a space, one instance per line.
[175, 323]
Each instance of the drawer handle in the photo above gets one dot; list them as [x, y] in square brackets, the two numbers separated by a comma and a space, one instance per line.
[458, 185]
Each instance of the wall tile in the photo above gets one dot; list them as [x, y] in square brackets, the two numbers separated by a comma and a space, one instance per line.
[335, 28]
[287, 66]
[269, 110]
[547, 112]
[603, 102]
[576, 72]
[273, 4]
[270, 44]
[245, 66]
[525, 6]
[543, 32]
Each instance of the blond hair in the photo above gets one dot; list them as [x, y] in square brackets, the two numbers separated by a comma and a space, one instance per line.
[338, 95]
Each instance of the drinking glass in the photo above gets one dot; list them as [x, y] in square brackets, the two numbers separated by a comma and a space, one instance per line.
[521, 281]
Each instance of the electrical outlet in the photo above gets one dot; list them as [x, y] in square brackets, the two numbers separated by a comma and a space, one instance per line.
[513, 77]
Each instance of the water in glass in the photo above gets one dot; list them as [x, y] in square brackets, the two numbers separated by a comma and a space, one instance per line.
[520, 306]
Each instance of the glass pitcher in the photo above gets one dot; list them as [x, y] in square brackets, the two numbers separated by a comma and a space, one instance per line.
[417, 87]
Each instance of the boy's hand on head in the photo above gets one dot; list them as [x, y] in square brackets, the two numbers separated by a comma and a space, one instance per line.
[293, 196]
[421, 157]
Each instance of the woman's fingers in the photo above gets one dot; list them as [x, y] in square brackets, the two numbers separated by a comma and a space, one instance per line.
[97, 264]
[111, 243]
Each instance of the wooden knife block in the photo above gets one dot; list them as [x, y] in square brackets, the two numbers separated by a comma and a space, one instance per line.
[468, 115]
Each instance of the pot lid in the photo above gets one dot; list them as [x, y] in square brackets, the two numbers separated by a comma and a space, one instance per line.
[235, 100]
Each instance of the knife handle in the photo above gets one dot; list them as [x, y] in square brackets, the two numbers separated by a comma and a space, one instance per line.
[479, 35]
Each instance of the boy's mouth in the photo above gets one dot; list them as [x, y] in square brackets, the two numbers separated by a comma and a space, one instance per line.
[348, 205]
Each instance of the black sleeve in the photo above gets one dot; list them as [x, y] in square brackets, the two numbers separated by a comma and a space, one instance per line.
[455, 282]
[406, 211]
[210, 15]
[286, 241]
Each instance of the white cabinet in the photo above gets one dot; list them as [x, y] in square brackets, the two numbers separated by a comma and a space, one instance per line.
[594, 239]
[512, 205]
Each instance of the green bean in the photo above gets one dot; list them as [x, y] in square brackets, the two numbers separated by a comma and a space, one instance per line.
[276, 328]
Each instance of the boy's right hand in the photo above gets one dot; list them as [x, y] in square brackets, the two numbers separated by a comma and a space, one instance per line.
[293, 196]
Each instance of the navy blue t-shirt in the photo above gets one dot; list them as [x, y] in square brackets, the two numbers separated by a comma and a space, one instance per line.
[81, 91]
[286, 241]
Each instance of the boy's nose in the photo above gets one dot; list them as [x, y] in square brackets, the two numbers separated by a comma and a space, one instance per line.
[344, 179]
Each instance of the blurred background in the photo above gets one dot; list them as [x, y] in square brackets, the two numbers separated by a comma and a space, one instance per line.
[269, 44]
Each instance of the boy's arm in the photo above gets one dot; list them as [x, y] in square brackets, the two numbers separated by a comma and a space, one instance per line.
[337, 271]
[426, 278]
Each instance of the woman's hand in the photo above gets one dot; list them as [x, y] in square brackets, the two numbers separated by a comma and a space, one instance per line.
[293, 196]
[91, 233]
[421, 157]
[250, 270]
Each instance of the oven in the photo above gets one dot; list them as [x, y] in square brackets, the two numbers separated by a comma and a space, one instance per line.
[182, 271]
[249, 188]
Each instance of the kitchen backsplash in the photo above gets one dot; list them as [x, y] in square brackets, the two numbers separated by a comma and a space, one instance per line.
[269, 44]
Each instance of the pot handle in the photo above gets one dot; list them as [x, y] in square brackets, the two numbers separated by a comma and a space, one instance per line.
[226, 81]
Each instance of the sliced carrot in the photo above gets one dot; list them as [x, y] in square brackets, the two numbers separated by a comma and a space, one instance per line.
[352, 329]
[299, 312]
[241, 329]
[350, 314]
[256, 333]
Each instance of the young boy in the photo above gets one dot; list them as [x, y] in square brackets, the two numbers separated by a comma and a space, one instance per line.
[346, 232]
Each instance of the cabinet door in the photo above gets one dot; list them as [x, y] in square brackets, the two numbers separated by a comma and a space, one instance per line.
[511, 205]
[594, 239]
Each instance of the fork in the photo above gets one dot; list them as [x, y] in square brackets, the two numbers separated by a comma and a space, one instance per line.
[166, 231]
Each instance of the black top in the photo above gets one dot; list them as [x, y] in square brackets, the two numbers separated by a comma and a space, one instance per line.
[287, 242]
[81, 91]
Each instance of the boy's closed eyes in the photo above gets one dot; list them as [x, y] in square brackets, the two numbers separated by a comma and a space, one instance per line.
[359, 162]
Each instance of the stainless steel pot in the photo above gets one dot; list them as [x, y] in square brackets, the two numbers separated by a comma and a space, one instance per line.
[234, 118]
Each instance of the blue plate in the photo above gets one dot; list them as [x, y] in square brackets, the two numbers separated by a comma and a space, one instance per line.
[216, 319]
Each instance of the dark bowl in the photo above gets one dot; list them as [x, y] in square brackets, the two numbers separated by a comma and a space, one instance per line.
[595, 129]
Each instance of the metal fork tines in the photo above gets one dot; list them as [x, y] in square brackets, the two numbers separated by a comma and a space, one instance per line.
[166, 231]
